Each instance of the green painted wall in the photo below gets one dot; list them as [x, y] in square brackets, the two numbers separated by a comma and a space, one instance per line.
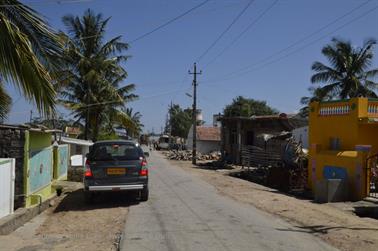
[38, 140]
[26, 163]
[35, 141]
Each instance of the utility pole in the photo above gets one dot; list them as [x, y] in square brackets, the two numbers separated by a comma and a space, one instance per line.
[86, 128]
[194, 151]
[170, 122]
[31, 116]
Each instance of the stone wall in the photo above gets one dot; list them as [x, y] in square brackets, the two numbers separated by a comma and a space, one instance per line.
[75, 174]
[12, 142]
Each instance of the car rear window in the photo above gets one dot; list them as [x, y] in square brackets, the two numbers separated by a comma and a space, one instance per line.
[116, 152]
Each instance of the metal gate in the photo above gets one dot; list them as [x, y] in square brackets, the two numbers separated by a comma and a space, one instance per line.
[372, 175]
[7, 177]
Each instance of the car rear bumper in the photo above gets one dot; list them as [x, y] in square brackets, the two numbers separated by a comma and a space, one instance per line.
[116, 187]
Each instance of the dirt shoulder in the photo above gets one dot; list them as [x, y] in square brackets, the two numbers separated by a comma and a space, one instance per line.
[337, 227]
[70, 224]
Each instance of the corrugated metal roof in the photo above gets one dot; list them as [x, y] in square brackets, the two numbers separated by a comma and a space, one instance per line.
[289, 122]
[281, 116]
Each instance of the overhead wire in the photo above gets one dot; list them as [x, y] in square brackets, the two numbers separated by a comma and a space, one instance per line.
[160, 26]
[205, 11]
[169, 22]
[254, 21]
[226, 6]
[225, 31]
[136, 39]
[244, 70]
[46, 2]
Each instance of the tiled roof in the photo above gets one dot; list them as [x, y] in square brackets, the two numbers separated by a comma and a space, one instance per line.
[208, 133]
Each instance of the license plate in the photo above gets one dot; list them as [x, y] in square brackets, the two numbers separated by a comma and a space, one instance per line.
[116, 171]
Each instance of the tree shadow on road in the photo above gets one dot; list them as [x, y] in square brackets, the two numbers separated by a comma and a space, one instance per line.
[322, 229]
[74, 201]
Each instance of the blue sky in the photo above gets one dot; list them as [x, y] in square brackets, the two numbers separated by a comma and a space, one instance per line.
[255, 66]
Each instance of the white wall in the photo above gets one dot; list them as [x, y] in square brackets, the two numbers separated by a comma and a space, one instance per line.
[7, 177]
[205, 146]
[301, 134]
[208, 146]
[202, 146]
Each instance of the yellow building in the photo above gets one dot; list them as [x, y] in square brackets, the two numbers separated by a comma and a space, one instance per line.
[343, 141]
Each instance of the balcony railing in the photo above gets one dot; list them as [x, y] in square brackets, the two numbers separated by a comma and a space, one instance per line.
[373, 109]
[344, 108]
[332, 109]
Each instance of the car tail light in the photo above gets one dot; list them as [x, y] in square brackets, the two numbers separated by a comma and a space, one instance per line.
[144, 170]
[88, 171]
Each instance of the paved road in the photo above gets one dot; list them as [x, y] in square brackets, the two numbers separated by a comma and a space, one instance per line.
[186, 213]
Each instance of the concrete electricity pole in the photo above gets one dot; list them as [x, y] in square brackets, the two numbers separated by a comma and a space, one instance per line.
[194, 152]
[170, 122]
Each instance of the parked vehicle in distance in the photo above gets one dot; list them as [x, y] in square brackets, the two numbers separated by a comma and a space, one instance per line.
[163, 143]
[116, 165]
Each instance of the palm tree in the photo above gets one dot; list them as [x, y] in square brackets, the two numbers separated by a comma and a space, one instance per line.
[317, 94]
[28, 46]
[90, 86]
[348, 74]
[136, 117]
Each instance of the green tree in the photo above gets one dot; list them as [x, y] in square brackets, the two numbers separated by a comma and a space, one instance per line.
[317, 94]
[180, 121]
[136, 118]
[28, 54]
[90, 85]
[348, 74]
[59, 122]
[246, 107]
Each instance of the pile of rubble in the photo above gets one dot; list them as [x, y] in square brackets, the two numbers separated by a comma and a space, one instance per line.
[187, 155]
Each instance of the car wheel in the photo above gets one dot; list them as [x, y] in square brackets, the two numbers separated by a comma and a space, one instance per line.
[88, 197]
[144, 194]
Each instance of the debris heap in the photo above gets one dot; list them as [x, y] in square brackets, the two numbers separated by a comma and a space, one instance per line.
[187, 155]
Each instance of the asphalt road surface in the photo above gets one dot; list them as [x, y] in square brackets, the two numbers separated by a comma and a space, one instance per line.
[186, 213]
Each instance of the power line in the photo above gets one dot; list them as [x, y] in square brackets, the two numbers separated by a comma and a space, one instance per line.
[45, 2]
[307, 37]
[136, 100]
[311, 43]
[244, 70]
[225, 31]
[186, 76]
[160, 26]
[170, 21]
[254, 21]
[203, 11]
[160, 94]
[181, 86]
[226, 6]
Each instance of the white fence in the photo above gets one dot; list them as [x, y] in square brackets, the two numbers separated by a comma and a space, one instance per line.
[7, 177]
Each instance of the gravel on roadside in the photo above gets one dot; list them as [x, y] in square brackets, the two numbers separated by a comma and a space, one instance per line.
[71, 224]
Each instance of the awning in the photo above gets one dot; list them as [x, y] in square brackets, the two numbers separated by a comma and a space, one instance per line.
[80, 142]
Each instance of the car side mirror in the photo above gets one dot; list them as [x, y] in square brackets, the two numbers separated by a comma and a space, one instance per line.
[147, 154]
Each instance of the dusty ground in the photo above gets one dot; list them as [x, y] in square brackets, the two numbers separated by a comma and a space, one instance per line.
[340, 228]
[72, 225]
